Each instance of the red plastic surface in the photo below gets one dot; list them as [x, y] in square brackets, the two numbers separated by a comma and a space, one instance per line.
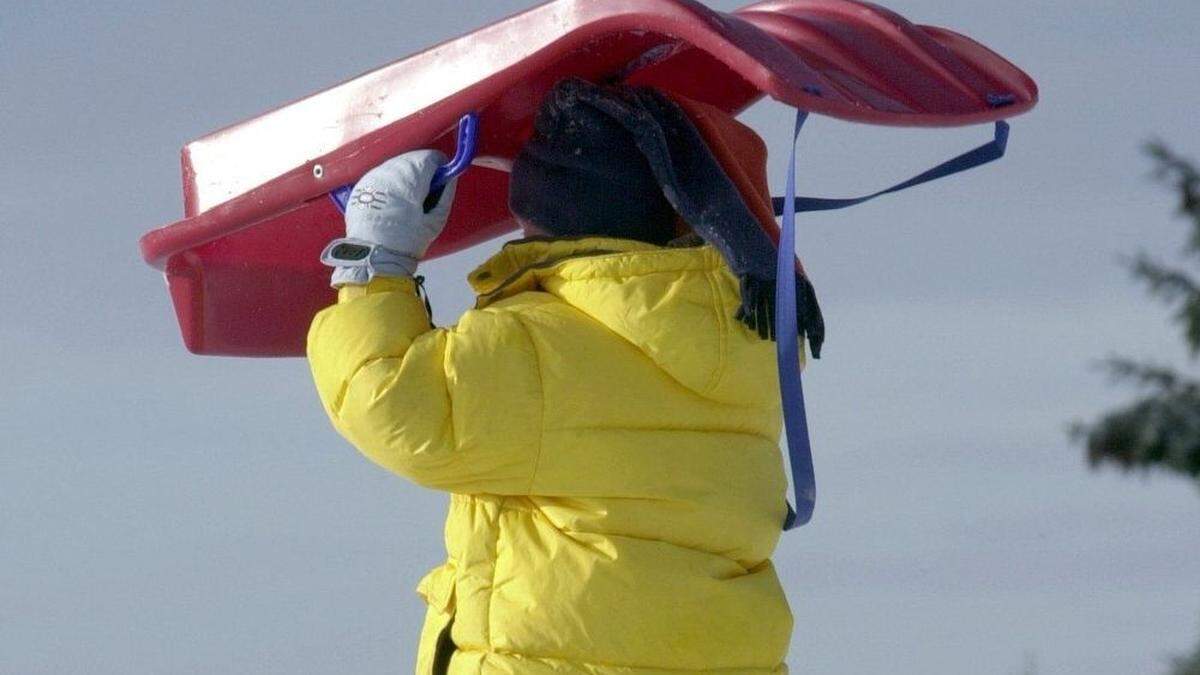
[242, 265]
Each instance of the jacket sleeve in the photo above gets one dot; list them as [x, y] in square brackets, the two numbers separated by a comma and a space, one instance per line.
[457, 409]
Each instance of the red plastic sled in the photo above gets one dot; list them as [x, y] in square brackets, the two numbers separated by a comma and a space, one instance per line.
[243, 266]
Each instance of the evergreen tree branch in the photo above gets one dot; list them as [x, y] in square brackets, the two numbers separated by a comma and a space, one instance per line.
[1146, 374]
[1187, 665]
[1161, 430]
[1175, 287]
[1180, 174]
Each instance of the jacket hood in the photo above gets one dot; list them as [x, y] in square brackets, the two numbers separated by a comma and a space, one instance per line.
[519, 263]
[676, 304]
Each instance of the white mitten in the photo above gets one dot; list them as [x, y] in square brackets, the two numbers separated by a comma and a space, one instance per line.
[387, 227]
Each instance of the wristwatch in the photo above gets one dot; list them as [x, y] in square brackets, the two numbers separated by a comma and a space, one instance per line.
[359, 261]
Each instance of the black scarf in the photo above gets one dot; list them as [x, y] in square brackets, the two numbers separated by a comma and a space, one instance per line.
[623, 161]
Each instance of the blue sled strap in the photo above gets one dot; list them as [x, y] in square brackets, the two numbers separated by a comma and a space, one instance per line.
[988, 152]
[795, 419]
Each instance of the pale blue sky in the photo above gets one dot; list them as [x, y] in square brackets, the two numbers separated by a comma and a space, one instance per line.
[167, 513]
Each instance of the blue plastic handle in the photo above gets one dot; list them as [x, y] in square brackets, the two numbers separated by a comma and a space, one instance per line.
[468, 144]
[468, 137]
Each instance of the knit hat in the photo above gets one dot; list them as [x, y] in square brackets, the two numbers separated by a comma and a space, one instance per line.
[629, 162]
[582, 173]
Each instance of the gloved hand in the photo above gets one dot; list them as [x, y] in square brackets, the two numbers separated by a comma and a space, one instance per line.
[388, 229]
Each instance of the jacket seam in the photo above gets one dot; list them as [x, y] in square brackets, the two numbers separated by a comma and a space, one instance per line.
[448, 424]
[362, 365]
[773, 442]
[541, 429]
[574, 534]
[447, 360]
[552, 659]
[722, 345]
[495, 567]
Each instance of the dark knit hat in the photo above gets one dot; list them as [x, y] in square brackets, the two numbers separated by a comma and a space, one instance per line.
[582, 173]
[627, 162]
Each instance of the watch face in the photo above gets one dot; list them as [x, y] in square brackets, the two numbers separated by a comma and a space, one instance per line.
[350, 252]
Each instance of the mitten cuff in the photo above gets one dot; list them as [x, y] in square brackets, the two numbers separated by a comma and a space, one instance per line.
[357, 261]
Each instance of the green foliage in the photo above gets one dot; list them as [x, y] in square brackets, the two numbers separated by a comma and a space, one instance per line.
[1188, 665]
[1162, 428]
[1176, 286]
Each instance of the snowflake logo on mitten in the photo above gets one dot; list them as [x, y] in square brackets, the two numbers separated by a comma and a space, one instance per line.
[370, 198]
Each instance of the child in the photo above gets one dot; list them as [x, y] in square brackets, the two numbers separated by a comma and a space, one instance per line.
[607, 418]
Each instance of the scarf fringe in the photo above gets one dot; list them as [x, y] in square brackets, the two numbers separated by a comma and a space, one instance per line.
[758, 310]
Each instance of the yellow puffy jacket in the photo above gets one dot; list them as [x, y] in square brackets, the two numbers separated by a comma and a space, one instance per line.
[609, 435]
